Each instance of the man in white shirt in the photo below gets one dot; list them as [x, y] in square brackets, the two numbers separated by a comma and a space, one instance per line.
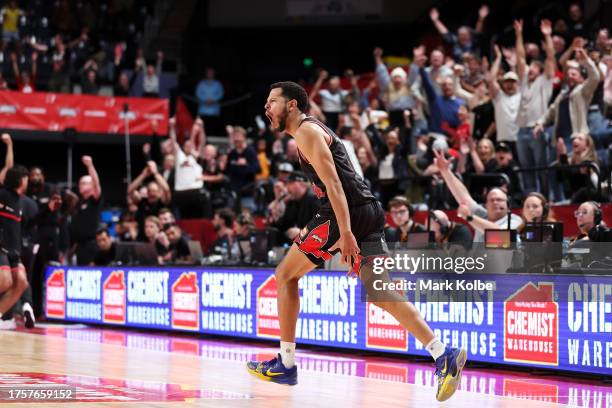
[332, 98]
[506, 101]
[536, 87]
[187, 177]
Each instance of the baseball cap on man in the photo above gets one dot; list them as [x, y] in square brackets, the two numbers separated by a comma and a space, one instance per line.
[297, 176]
[510, 76]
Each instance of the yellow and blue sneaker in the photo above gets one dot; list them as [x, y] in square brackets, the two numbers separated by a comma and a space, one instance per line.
[448, 371]
[274, 371]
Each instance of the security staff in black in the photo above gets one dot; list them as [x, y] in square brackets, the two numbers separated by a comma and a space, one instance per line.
[86, 220]
[13, 278]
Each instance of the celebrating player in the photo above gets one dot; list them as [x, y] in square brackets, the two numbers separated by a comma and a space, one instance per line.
[349, 216]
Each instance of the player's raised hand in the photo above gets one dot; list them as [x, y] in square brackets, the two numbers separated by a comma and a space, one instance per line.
[6, 138]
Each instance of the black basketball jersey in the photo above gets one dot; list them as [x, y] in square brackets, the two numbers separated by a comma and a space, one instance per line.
[355, 189]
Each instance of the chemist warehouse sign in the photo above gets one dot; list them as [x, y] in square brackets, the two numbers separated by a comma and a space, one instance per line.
[557, 322]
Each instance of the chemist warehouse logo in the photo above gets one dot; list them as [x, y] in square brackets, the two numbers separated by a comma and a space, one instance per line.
[56, 294]
[114, 304]
[185, 302]
[531, 325]
[267, 311]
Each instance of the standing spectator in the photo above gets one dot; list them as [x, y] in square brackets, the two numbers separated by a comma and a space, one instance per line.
[465, 40]
[25, 80]
[332, 98]
[209, 92]
[48, 230]
[187, 177]
[242, 166]
[395, 88]
[569, 110]
[444, 107]
[13, 277]
[506, 100]
[151, 78]
[393, 166]
[158, 195]
[84, 224]
[536, 83]
[10, 16]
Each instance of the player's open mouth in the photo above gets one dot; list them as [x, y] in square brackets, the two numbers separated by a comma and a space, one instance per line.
[269, 116]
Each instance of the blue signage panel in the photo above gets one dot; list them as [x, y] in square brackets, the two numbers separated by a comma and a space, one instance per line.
[555, 322]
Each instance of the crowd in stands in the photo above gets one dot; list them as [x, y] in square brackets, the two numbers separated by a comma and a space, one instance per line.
[89, 47]
[460, 128]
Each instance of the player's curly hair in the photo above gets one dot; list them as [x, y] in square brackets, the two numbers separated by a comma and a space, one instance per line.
[291, 90]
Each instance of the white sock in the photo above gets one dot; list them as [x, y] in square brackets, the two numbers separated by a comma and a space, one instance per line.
[287, 352]
[436, 348]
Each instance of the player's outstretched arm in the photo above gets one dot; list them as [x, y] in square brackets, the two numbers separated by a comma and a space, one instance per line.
[311, 142]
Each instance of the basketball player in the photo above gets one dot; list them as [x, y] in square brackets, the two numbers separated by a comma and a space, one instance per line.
[349, 215]
[13, 278]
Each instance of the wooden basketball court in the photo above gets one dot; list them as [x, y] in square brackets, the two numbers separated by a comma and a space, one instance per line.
[116, 368]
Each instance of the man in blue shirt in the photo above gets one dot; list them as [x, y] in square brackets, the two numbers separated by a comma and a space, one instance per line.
[209, 92]
[444, 107]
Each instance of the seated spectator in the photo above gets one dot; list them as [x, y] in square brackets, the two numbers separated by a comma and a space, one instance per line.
[507, 165]
[449, 232]
[580, 183]
[588, 215]
[157, 197]
[494, 215]
[536, 209]
[223, 223]
[465, 40]
[401, 213]
[107, 249]
[178, 245]
[301, 206]
[126, 229]
[166, 217]
[154, 234]
[241, 248]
